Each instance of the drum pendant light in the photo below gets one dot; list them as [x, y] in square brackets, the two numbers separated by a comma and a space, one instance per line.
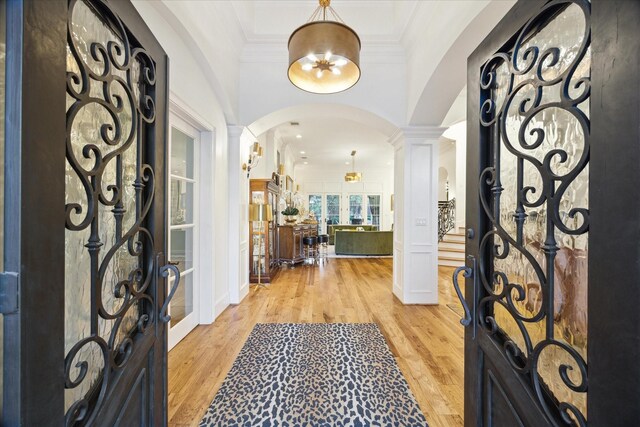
[324, 54]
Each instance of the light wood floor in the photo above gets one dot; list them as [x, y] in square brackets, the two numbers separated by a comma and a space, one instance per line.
[426, 340]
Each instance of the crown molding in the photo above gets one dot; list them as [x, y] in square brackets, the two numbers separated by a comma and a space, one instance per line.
[416, 134]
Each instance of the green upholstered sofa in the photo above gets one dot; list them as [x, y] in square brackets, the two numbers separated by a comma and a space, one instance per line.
[332, 228]
[364, 242]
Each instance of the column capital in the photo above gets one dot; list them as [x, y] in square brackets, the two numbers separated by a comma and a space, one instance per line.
[234, 131]
[416, 133]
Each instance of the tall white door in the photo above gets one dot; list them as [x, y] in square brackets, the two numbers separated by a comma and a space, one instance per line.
[184, 147]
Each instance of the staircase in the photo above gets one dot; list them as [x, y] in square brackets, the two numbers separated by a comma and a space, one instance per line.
[451, 249]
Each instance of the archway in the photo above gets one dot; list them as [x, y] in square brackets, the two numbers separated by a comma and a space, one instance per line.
[262, 129]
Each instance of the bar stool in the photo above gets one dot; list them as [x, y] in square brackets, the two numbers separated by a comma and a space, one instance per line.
[323, 241]
[310, 249]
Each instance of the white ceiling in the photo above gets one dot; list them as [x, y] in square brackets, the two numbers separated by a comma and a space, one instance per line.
[329, 142]
[375, 21]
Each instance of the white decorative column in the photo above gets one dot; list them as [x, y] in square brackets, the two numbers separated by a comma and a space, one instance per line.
[237, 178]
[415, 245]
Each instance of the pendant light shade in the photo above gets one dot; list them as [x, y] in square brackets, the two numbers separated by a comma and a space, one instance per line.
[353, 176]
[324, 55]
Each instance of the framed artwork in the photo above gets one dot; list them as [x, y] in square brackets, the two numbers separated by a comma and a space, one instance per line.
[289, 183]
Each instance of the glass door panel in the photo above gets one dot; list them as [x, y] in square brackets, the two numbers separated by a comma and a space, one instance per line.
[355, 209]
[183, 229]
[373, 210]
[315, 207]
[333, 209]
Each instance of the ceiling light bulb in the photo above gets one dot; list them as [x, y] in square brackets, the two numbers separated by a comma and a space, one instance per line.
[306, 163]
[341, 62]
[336, 71]
[327, 56]
[307, 67]
[319, 74]
[302, 152]
[312, 57]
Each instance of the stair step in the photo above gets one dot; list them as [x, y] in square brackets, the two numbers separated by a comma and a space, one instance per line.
[445, 246]
[450, 258]
[450, 263]
[456, 249]
[454, 238]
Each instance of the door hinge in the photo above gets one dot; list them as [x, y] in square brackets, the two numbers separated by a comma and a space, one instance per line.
[9, 284]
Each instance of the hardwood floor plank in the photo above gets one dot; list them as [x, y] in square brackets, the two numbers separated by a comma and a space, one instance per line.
[427, 341]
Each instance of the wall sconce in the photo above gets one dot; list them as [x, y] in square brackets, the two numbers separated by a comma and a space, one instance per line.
[254, 157]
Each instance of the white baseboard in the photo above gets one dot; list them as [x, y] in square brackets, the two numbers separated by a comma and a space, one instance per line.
[221, 304]
[244, 291]
[421, 297]
[397, 291]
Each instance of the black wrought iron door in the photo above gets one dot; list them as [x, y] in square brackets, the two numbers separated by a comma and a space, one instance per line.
[530, 237]
[90, 97]
[115, 218]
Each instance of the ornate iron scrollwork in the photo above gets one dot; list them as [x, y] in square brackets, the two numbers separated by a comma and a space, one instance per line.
[535, 80]
[113, 84]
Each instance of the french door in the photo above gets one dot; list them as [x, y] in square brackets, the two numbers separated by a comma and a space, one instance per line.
[84, 281]
[183, 227]
[552, 217]
[326, 208]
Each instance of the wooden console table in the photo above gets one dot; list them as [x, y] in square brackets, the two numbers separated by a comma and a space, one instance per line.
[290, 247]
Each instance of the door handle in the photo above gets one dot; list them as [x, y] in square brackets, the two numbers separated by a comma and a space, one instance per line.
[469, 314]
[164, 272]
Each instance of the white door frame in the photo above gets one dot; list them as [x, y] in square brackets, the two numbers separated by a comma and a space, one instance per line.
[182, 118]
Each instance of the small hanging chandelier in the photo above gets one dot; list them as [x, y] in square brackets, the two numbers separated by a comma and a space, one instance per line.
[353, 176]
[324, 55]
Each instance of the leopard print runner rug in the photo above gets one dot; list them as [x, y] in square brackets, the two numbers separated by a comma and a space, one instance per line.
[314, 374]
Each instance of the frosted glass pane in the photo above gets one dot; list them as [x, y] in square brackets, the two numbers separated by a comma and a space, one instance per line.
[528, 144]
[102, 133]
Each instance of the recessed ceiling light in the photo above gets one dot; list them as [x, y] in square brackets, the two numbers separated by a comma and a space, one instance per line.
[306, 163]
[302, 152]
[298, 136]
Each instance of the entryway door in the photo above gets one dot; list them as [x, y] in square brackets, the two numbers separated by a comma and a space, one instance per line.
[552, 217]
[84, 289]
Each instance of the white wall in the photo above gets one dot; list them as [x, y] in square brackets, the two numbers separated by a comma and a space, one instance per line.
[319, 180]
[192, 89]
[458, 133]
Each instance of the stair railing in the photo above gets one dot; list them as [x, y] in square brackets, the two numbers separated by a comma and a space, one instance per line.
[446, 217]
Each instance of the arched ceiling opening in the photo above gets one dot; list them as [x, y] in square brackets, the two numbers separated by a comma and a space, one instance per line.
[321, 135]
[449, 77]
